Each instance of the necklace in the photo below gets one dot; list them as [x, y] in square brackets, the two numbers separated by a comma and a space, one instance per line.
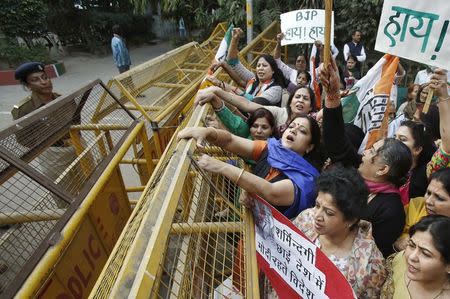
[438, 294]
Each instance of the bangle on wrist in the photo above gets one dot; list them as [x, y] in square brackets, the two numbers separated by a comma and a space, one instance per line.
[443, 100]
[239, 176]
[334, 97]
[221, 107]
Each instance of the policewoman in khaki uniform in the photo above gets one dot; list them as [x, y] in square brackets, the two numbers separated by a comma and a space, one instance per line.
[32, 75]
[53, 161]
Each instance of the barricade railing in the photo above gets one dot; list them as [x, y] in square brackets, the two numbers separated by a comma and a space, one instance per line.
[50, 161]
[187, 237]
[191, 238]
[155, 88]
[264, 43]
[58, 233]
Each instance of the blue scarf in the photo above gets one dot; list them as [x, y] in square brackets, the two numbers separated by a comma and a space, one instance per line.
[300, 171]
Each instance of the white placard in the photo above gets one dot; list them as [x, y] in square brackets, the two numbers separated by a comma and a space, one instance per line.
[416, 30]
[304, 26]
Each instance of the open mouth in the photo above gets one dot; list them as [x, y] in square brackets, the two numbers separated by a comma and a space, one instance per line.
[290, 138]
[299, 107]
[412, 269]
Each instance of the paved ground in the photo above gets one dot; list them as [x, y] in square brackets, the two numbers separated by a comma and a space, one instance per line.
[81, 69]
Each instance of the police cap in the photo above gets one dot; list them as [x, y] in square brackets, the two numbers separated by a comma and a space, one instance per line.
[28, 68]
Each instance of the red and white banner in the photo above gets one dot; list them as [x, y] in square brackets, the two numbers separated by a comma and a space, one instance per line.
[294, 265]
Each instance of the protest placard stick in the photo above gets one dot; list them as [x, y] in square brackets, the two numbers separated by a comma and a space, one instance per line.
[426, 106]
[328, 11]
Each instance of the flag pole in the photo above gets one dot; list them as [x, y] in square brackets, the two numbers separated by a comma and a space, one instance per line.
[327, 42]
[426, 106]
[249, 10]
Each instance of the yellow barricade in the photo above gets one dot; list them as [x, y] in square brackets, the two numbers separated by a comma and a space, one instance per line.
[50, 161]
[187, 237]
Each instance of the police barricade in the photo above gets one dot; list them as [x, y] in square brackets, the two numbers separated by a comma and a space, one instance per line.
[63, 198]
[163, 85]
[199, 253]
[264, 43]
[158, 91]
[188, 237]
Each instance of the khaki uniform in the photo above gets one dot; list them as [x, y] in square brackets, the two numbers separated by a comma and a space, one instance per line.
[28, 105]
[52, 162]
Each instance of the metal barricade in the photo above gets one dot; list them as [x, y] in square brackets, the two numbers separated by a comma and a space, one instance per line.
[191, 238]
[50, 161]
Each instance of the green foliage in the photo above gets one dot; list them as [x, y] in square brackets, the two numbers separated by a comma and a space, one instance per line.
[14, 54]
[91, 29]
[25, 18]
[349, 14]
[363, 15]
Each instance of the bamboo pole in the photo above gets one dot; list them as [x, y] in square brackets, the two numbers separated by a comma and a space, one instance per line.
[327, 42]
[427, 104]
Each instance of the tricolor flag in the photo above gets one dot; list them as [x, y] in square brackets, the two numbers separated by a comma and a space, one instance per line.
[366, 105]
[222, 52]
[314, 76]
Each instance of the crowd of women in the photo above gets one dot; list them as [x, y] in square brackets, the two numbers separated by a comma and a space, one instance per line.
[382, 216]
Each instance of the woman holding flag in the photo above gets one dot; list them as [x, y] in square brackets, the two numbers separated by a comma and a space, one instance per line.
[383, 166]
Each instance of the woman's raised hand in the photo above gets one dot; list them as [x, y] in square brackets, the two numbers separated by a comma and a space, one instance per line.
[438, 82]
[329, 77]
[216, 65]
[237, 33]
[211, 121]
[280, 37]
[214, 80]
[246, 200]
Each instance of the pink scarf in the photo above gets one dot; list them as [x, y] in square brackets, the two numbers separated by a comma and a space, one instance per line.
[381, 187]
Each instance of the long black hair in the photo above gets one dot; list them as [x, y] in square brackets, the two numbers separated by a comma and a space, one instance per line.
[278, 77]
[422, 138]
